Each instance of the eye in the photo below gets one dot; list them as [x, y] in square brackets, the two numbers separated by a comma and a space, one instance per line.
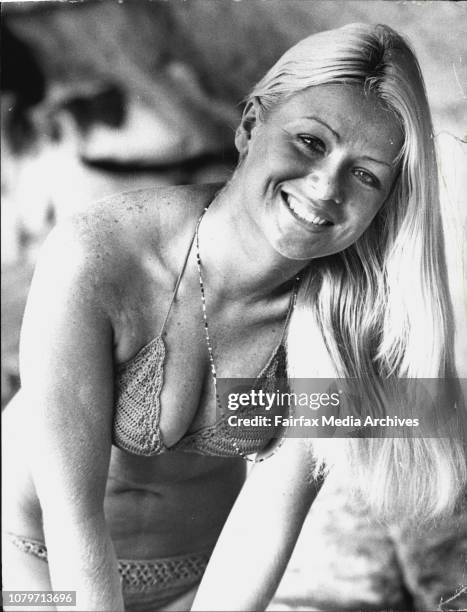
[366, 178]
[316, 145]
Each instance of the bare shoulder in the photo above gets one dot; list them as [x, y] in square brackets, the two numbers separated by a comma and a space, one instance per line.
[109, 244]
[127, 223]
[155, 213]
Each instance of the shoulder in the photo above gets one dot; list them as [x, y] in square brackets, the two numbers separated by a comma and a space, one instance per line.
[125, 223]
[106, 247]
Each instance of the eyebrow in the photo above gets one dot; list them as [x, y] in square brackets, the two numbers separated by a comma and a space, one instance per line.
[337, 135]
[325, 125]
[378, 161]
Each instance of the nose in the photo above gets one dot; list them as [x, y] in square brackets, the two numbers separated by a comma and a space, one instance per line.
[325, 183]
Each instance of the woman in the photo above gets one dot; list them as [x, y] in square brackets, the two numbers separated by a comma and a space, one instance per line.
[138, 305]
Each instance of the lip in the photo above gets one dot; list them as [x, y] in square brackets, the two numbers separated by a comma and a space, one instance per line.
[312, 208]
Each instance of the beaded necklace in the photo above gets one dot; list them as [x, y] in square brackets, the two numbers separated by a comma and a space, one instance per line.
[211, 352]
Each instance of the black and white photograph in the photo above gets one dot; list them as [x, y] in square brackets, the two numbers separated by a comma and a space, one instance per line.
[233, 306]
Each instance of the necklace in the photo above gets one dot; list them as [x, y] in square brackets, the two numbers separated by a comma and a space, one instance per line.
[211, 352]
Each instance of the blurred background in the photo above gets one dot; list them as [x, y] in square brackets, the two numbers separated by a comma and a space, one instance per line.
[99, 97]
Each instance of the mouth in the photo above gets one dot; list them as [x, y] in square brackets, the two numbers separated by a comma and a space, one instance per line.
[304, 212]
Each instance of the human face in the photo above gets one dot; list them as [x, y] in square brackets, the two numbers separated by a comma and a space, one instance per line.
[317, 170]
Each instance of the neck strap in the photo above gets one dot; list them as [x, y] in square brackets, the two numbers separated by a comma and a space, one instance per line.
[179, 279]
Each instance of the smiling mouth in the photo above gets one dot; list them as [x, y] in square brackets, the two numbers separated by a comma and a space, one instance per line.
[302, 212]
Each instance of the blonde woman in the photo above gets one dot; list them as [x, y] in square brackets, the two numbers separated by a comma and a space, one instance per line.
[323, 254]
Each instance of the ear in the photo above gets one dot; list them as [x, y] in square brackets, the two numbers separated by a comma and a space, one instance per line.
[248, 123]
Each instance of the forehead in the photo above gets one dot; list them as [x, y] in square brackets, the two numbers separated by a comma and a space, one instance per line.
[357, 117]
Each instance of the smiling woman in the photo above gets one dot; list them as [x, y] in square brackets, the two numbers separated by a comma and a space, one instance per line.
[369, 307]
[332, 174]
[322, 256]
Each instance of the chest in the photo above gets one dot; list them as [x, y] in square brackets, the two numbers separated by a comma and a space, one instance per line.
[166, 392]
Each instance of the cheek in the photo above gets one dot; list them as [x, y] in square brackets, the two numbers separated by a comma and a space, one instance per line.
[358, 222]
[367, 207]
[279, 159]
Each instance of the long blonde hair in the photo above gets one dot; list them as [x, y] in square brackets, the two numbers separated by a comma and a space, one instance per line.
[380, 308]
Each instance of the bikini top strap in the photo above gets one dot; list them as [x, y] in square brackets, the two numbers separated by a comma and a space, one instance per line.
[177, 284]
[293, 301]
[293, 297]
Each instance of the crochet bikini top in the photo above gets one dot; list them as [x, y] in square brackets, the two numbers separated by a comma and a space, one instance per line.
[137, 407]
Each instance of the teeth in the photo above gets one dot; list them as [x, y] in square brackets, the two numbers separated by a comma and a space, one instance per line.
[301, 210]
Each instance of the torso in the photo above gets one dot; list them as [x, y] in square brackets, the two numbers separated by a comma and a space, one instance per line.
[153, 229]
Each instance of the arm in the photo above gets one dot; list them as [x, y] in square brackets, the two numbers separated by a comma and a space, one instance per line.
[258, 538]
[66, 372]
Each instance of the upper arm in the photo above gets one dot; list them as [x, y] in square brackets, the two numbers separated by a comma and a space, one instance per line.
[261, 531]
[66, 376]
[279, 492]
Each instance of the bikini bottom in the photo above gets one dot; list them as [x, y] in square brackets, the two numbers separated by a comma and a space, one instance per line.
[146, 584]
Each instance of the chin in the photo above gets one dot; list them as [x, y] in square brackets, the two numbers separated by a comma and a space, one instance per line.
[290, 249]
[292, 244]
[299, 250]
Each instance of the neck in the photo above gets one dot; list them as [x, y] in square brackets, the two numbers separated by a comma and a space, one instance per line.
[236, 259]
